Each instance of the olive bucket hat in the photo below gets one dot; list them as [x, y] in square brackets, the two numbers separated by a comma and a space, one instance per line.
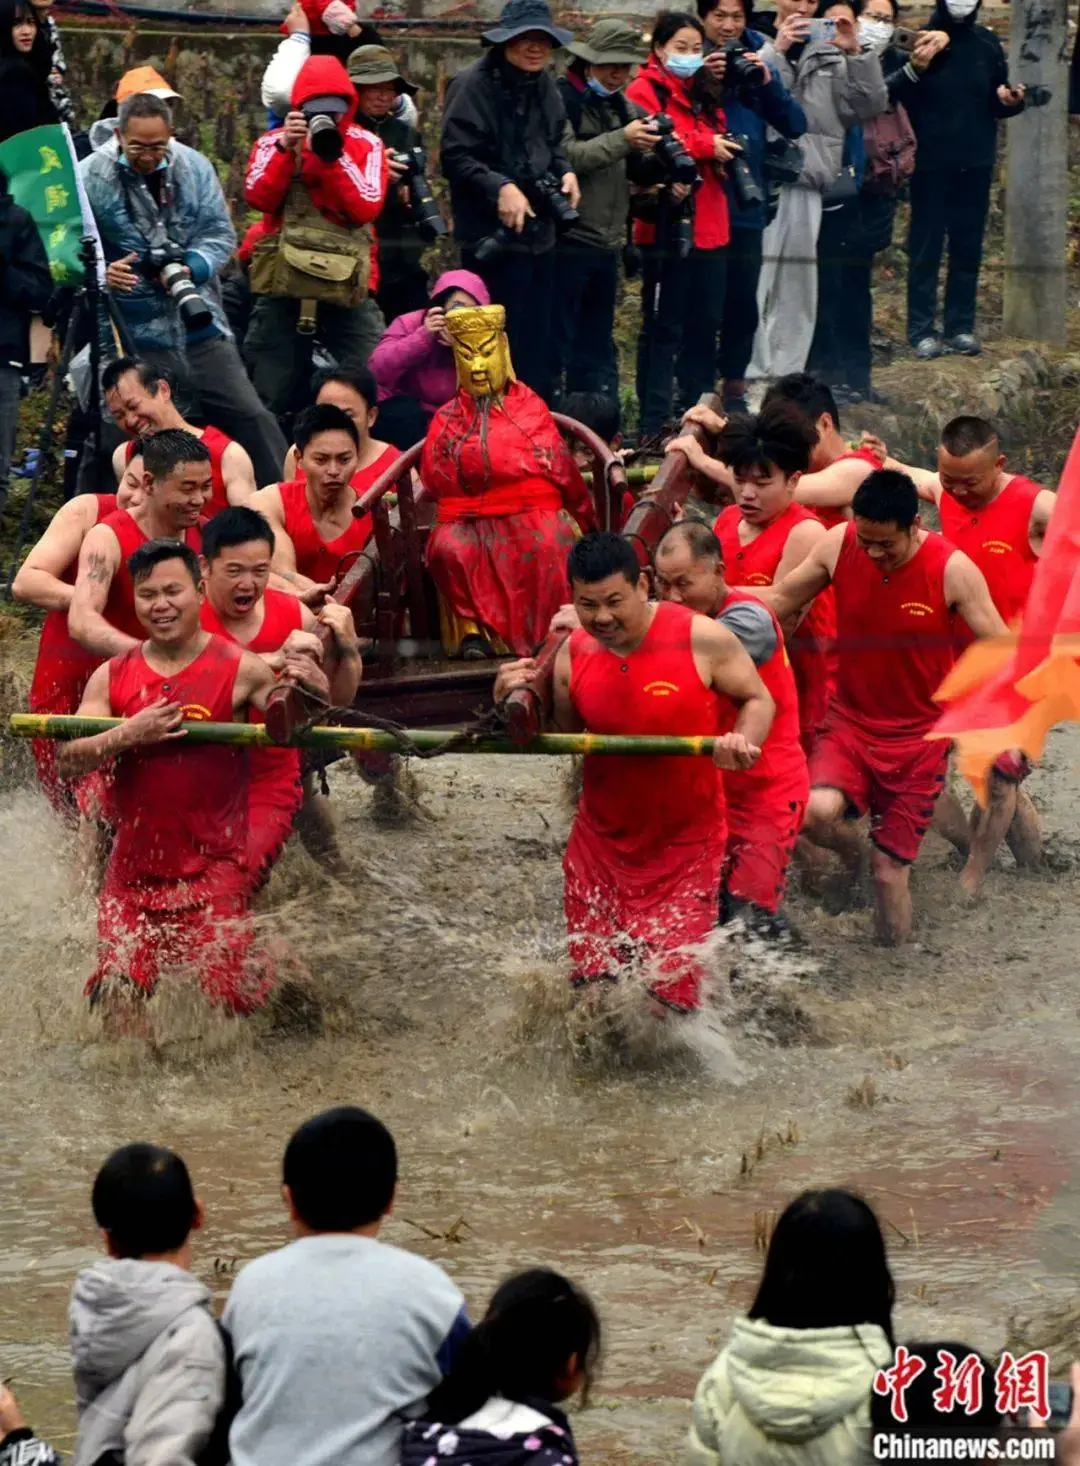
[610, 43]
[369, 65]
[519, 16]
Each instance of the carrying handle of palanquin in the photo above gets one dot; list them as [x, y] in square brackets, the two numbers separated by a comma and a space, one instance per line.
[289, 708]
[655, 509]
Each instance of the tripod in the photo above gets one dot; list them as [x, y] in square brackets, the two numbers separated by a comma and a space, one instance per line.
[84, 313]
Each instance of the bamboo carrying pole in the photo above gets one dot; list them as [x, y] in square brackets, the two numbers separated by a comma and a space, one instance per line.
[367, 740]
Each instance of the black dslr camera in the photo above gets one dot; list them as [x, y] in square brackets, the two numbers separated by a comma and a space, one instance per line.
[678, 165]
[324, 134]
[165, 264]
[429, 222]
[547, 198]
[740, 70]
[748, 192]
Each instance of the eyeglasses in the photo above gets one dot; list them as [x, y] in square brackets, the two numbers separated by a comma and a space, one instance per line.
[149, 148]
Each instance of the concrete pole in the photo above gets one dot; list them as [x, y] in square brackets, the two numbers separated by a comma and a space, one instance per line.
[1037, 189]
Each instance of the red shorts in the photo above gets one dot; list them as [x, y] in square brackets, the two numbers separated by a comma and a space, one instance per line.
[275, 794]
[641, 913]
[763, 826]
[897, 780]
[144, 929]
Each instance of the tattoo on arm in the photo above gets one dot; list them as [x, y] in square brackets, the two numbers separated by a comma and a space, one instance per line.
[98, 571]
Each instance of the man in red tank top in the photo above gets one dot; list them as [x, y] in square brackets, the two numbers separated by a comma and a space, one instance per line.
[315, 530]
[898, 590]
[237, 548]
[356, 392]
[999, 520]
[765, 804]
[175, 489]
[646, 850]
[836, 469]
[139, 396]
[46, 579]
[176, 887]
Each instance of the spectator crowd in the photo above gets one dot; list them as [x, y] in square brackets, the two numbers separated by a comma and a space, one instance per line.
[745, 167]
[341, 1348]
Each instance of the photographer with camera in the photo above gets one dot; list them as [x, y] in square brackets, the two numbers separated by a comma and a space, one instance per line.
[410, 219]
[838, 85]
[684, 243]
[512, 188]
[321, 181]
[955, 99]
[167, 234]
[753, 97]
[610, 134]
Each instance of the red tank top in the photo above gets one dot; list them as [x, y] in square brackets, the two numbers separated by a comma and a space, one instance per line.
[639, 804]
[363, 478]
[782, 758]
[317, 558]
[998, 539]
[756, 563]
[63, 665]
[215, 442]
[283, 613]
[178, 806]
[896, 638]
[120, 607]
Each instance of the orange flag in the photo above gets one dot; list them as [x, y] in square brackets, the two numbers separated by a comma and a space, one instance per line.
[1010, 692]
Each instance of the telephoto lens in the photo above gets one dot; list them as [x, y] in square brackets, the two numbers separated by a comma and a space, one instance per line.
[194, 311]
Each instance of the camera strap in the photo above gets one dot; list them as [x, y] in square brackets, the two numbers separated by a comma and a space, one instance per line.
[142, 208]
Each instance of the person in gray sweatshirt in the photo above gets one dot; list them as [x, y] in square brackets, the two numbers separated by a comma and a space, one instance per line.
[149, 1358]
[337, 1338]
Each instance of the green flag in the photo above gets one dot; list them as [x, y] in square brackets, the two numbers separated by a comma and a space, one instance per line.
[42, 177]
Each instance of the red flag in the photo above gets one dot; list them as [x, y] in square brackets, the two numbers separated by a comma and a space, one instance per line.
[1011, 692]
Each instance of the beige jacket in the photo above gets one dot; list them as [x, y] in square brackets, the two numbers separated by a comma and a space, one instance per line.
[787, 1397]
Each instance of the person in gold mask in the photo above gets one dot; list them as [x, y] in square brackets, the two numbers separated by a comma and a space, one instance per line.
[509, 499]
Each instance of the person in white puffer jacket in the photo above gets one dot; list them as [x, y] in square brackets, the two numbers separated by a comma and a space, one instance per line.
[792, 1388]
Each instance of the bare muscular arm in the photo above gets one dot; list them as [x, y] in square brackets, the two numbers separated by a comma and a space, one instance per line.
[99, 560]
[833, 487]
[1041, 512]
[239, 474]
[158, 723]
[800, 542]
[969, 596]
[38, 582]
[788, 597]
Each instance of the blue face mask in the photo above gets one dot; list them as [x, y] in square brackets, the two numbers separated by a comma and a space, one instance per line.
[684, 66]
[600, 89]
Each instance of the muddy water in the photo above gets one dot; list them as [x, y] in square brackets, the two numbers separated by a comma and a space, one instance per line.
[942, 1082]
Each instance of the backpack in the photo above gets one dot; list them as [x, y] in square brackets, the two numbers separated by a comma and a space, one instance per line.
[890, 151]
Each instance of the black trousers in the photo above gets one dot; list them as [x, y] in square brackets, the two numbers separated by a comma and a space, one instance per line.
[588, 280]
[950, 205]
[850, 237]
[682, 306]
[401, 421]
[525, 285]
[740, 322]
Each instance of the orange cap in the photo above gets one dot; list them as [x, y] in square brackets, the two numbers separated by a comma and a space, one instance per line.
[144, 79]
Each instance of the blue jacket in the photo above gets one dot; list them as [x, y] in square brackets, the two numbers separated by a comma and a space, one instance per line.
[198, 221]
[748, 113]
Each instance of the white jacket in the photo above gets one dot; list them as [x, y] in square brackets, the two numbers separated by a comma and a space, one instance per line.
[787, 1397]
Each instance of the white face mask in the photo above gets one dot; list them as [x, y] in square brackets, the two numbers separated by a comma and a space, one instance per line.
[875, 35]
[961, 9]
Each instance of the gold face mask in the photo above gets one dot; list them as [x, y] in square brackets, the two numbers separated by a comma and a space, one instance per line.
[481, 351]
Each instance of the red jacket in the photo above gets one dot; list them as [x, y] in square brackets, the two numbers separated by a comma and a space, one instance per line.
[656, 90]
[349, 191]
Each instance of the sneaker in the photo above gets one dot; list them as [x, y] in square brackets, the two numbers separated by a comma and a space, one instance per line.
[965, 344]
[928, 349]
[873, 397]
